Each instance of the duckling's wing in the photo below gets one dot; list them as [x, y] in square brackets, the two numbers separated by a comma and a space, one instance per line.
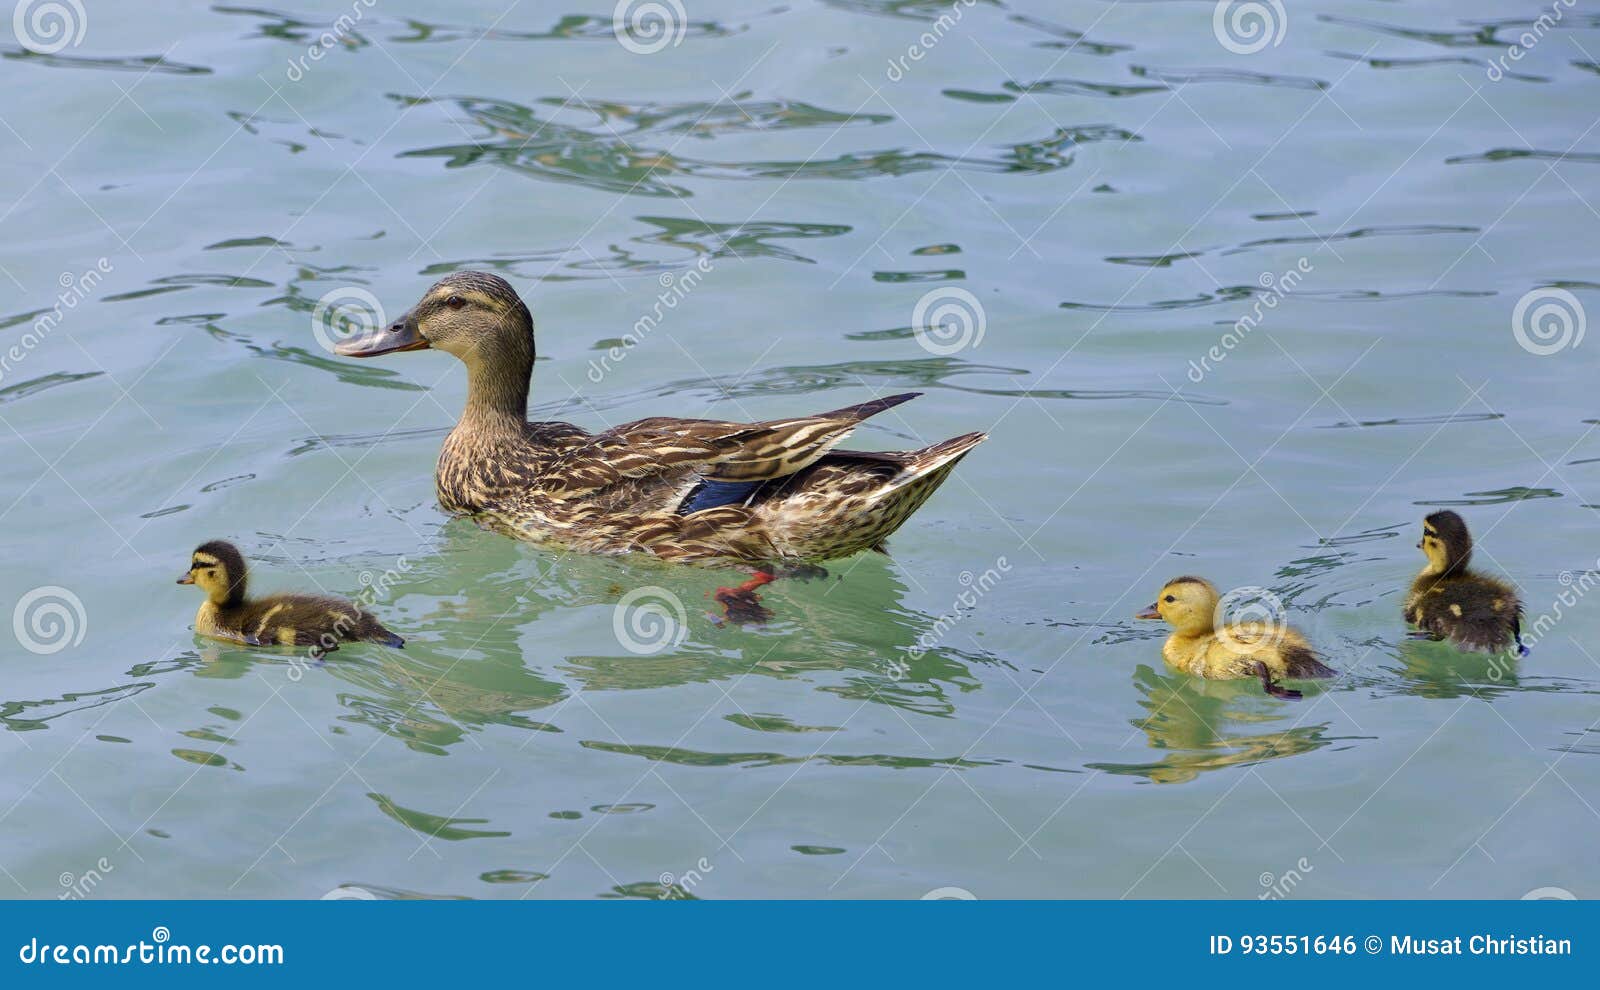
[709, 449]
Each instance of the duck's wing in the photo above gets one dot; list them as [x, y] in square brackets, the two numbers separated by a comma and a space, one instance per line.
[706, 449]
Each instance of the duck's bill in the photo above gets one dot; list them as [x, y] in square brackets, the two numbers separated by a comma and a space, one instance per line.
[186, 579]
[401, 335]
[1150, 612]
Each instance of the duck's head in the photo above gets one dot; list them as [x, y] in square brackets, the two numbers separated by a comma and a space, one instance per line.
[1188, 604]
[477, 316]
[219, 570]
[1446, 543]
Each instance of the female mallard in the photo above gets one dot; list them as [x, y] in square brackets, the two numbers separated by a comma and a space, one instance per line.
[682, 489]
[318, 621]
[1204, 644]
[1448, 601]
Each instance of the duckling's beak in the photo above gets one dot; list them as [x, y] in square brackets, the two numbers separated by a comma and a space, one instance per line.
[1148, 613]
[401, 335]
[188, 578]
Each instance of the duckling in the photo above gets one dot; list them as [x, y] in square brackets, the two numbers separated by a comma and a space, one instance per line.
[318, 621]
[1450, 602]
[1198, 646]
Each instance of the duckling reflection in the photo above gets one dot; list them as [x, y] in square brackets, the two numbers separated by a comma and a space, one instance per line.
[1189, 717]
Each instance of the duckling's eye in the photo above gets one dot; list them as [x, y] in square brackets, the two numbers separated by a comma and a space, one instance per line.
[455, 302]
[1171, 598]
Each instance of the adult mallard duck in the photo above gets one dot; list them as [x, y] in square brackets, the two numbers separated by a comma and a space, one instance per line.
[321, 622]
[1205, 644]
[1448, 601]
[767, 493]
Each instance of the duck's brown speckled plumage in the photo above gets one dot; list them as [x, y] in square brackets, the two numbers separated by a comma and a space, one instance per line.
[1449, 601]
[625, 489]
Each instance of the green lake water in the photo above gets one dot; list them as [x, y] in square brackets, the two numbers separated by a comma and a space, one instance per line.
[1087, 198]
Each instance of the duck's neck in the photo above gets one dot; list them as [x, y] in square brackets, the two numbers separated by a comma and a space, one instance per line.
[230, 597]
[498, 377]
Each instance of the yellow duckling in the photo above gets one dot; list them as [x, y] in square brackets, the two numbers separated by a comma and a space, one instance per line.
[1450, 602]
[1204, 644]
[318, 621]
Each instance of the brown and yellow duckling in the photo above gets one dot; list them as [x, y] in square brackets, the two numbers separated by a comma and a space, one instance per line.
[318, 621]
[1204, 644]
[1448, 601]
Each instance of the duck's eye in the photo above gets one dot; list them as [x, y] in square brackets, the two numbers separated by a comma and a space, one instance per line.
[1171, 598]
[455, 302]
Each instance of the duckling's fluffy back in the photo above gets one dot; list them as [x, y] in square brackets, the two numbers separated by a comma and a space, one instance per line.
[1472, 611]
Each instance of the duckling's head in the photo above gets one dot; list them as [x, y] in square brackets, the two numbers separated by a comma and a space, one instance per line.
[1446, 543]
[218, 568]
[477, 316]
[1188, 604]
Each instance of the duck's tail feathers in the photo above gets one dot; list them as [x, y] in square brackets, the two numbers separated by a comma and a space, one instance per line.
[862, 410]
[387, 638]
[944, 454]
[1303, 663]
